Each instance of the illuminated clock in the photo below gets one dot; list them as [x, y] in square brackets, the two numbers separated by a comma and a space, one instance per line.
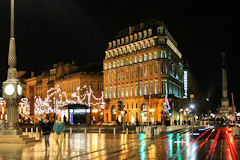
[9, 89]
[19, 89]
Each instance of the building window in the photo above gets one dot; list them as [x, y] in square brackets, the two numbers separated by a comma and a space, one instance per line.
[118, 75]
[140, 58]
[118, 91]
[109, 65]
[163, 54]
[110, 92]
[156, 86]
[135, 59]
[122, 91]
[145, 57]
[131, 73]
[150, 69]
[126, 62]
[122, 74]
[122, 62]
[136, 89]
[163, 68]
[131, 91]
[130, 60]
[156, 68]
[127, 74]
[113, 64]
[114, 92]
[155, 55]
[150, 56]
[127, 91]
[145, 70]
[145, 88]
[140, 92]
[110, 77]
[136, 72]
[150, 87]
[118, 62]
[106, 92]
[105, 66]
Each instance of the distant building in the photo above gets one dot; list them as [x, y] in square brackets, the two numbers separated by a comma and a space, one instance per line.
[68, 77]
[142, 65]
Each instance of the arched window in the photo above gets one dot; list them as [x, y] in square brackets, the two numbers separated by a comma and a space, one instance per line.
[150, 56]
[126, 40]
[139, 35]
[135, 37]
[122, 41]
[118, 42]
[131, 38]
[109, 65]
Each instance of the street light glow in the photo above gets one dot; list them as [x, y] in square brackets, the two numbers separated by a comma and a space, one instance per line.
[192, 106]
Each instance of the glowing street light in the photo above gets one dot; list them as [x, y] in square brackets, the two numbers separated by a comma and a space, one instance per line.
[192, 106]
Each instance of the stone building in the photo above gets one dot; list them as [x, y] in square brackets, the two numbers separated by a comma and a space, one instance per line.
[142, 66]
[68, 77]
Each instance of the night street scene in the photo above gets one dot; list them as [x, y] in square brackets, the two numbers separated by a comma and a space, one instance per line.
[132, 80]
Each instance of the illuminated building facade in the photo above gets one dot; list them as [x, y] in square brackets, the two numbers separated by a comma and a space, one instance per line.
[68, 77]
[142, 65]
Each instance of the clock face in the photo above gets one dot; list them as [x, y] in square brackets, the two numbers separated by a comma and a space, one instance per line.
[19, 89]
[9, 89]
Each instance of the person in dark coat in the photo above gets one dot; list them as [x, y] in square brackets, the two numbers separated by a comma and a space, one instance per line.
[46, 128]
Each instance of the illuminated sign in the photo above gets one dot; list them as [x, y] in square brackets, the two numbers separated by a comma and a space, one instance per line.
[185, 80]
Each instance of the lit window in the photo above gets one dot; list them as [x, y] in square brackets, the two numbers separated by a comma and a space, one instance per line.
[114, 92]
[131, 60]
[109, 65]
[145, 70]
[145, 57]
[135, 59]
[105, 66]
[150, 69]
[127, 92]
[150, 87]
[122, 62]
[110, 92]
[140, 58]
[118, 63]
[106, 92]
[163, 54]
[113, 64]
[140, 89]
[126, 62]
[122, 91]
[145, 88]
[150, 56]
[118, 91]
[156, 86]
[169, 55]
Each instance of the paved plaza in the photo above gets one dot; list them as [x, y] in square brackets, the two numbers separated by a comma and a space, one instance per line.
[208, 143]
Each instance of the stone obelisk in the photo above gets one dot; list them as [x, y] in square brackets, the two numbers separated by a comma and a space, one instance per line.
[12, 87]
[224, 100]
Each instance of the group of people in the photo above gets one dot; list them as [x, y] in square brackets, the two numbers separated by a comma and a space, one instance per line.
[58, 128]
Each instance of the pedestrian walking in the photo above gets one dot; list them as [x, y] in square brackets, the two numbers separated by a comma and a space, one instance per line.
[59, 129]
[46, 128]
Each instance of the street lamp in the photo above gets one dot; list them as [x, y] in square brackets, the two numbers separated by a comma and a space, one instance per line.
[192, 106]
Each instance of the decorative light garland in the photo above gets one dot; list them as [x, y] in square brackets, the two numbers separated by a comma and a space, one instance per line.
[23, 108]
[56, 98]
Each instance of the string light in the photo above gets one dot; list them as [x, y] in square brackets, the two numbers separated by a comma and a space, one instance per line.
[56, 98]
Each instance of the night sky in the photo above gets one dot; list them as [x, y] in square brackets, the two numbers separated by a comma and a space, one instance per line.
[48, 31]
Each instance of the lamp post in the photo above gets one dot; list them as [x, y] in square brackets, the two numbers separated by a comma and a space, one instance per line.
[192, 106]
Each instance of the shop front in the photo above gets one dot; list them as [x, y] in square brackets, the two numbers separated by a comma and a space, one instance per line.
[76, 114]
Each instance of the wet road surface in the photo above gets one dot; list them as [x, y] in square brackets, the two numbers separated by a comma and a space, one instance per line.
[208, 143]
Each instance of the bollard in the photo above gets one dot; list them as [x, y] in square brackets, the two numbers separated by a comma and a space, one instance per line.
[85, 130]
[26, 130]
[99, 130]
[126, 130]
[114, 131]
[31, 132]
[70, 130]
